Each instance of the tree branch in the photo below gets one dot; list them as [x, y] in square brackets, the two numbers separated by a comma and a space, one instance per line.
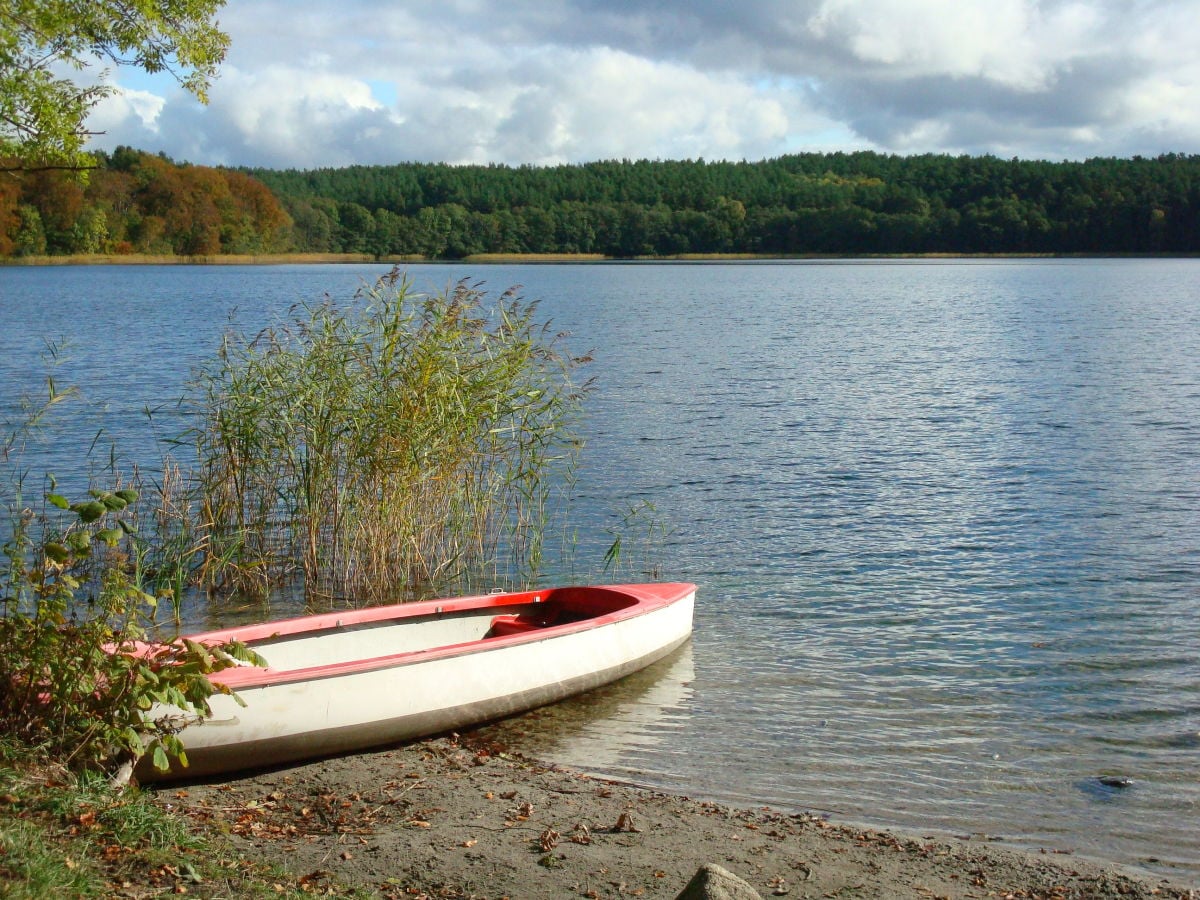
[49, 168]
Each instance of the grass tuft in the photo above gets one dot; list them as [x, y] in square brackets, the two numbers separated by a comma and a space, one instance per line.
[68, 836]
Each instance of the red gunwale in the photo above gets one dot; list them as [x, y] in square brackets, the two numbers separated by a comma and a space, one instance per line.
[646, 598]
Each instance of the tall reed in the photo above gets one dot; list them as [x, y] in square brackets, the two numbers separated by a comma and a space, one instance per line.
[402, 441]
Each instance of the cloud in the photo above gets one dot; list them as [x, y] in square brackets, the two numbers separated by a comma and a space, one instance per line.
[309, 84]
[607, 104]
[126, 104]
[1000, 41]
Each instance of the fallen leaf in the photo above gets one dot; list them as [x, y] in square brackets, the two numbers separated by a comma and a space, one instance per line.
[625, 823]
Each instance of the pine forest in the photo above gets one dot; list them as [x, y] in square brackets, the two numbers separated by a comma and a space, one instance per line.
[798, 205]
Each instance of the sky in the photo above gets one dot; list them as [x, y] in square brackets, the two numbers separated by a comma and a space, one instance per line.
[310, 83]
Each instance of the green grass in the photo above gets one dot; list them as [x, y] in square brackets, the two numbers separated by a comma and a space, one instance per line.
[66, 836]
[33, 867]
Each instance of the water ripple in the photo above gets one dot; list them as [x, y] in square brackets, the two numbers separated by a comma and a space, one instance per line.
[945, 518]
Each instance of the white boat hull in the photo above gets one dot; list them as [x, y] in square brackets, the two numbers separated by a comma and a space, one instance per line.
[339, 707]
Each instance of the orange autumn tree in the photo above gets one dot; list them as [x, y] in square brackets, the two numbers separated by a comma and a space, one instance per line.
[140, 203]
[10, 194]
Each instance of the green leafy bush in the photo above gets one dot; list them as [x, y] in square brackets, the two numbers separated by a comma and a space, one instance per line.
[81, 676]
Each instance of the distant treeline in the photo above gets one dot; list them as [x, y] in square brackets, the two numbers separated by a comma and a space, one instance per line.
[828, 203]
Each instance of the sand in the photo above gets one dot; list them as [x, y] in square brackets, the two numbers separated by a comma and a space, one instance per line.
[460, 817]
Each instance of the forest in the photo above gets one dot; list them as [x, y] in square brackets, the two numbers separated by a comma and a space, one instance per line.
[801, 204]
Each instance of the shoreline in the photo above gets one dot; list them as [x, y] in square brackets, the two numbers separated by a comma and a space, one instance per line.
[485, 259]
[463, 817]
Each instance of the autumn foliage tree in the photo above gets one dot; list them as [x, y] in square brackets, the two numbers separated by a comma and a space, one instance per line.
[9, 195]
[139, 203]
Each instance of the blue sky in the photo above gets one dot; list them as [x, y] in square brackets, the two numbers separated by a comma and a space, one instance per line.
[309, 84]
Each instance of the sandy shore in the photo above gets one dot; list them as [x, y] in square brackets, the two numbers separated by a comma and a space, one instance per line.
[455, 817]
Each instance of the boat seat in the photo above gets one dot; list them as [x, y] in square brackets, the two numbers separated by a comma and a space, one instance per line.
[519, 624]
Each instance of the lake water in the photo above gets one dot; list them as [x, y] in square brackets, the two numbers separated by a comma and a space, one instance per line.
[944, 516]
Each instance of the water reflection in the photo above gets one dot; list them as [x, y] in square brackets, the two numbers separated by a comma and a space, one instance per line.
[603, 731]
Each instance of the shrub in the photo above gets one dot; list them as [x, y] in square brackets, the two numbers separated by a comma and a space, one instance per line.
[79, 677]
[79, 680]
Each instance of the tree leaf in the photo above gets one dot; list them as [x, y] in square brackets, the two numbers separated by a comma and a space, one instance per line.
[160, 757]
[132, 741]
[90, 511]
[110, 536]
[80, 542]
[57, 552]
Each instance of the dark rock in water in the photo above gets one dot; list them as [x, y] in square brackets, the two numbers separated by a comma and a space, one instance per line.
[711, 882]
[1115, 781]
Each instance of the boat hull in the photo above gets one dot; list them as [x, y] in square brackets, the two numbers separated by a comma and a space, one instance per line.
[346, 704]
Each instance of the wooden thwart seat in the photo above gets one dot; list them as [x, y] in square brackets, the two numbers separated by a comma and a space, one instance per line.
[519, 624]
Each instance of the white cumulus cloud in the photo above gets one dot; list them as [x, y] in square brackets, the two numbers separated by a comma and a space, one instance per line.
[364, 81]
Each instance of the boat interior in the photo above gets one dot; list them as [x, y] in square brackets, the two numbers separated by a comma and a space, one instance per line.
[345, 641]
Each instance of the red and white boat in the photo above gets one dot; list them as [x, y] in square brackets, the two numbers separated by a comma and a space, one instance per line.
[345, 681]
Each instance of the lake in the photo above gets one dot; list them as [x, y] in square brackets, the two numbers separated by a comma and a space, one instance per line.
[944, 517]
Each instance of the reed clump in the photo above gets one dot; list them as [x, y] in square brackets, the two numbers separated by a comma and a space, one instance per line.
[402, 442]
